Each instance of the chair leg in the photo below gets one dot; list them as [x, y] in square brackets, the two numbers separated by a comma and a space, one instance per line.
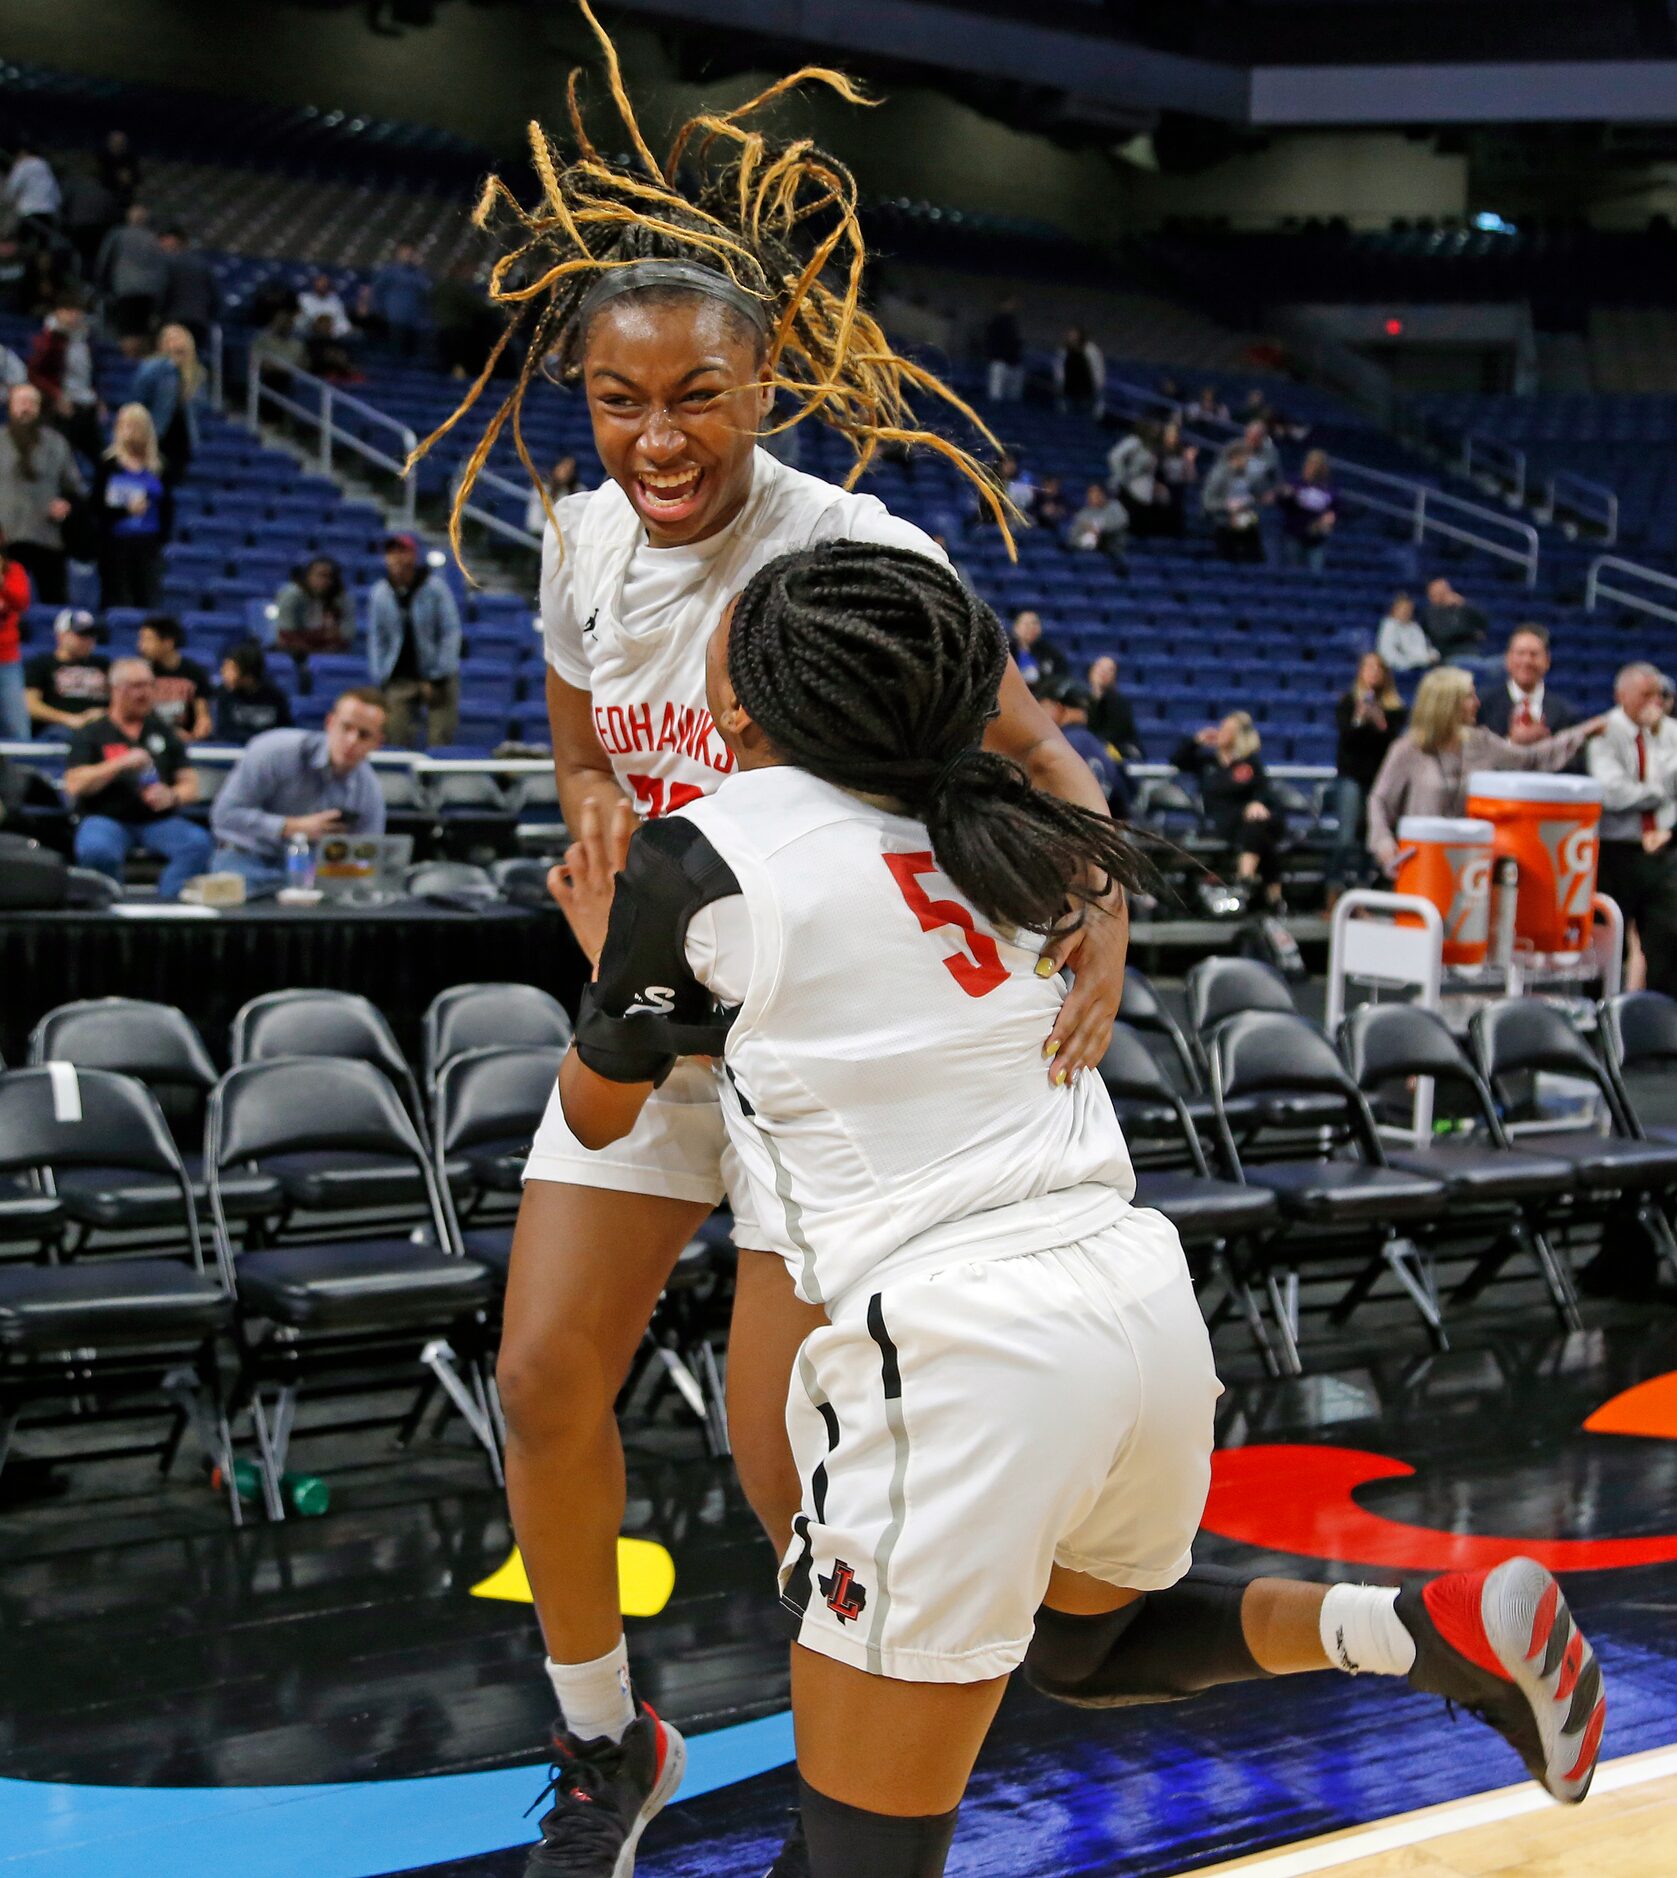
[1557, 1274]
[1658, 1228]
[197, 1396]
[1283, 1289]
[440, 1360]
[716, 1422]
[1239, 1295]
[1415, 1274]
[269, 1459]
[8, 1427]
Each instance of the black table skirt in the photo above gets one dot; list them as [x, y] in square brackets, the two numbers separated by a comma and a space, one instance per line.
[399, 956]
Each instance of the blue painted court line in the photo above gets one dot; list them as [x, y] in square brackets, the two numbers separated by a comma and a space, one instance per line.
[358, 1830]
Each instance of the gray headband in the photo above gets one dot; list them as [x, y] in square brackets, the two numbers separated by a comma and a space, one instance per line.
[635, 276]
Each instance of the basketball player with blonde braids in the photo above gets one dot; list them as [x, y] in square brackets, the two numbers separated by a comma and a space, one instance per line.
[683, 297]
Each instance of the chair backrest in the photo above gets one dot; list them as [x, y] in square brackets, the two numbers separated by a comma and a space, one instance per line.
[1148, 1104]
[468, 789]
[1384, 1043]
[455, 877]
[1525, 1034]
[59, 1115]
[1142, 1008]
[1259, 1053]
[473, 1017]
[307, 1104]
[325, 1024]
[1639, 1029]
[132, 1036]
[1220, 987]
[493, 1094]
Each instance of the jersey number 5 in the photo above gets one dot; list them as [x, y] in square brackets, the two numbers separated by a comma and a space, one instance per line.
[979, 969]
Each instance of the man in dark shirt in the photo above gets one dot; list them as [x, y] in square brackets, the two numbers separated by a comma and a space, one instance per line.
[249, 702]
[1004, 353]
[70, 685]
[1456, 628]
[183, 686]
[1523, 708]
[129, 778]
[1111, 715]
[192, 295]
[1067, 703]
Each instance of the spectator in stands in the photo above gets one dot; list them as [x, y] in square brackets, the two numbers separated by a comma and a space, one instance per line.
[133, 512]
[466, 327]
[1426, 770]
[1523, 708]
[1132, 475]
[1004, 354]
[32, 194]
[15, 278]
[89, 214]
[399, 302]
[38, 483]
[1308, 514]
[563, 480]
[1080, 375]
[1239, 802]
[133, 273]
[1370, 717]
[1050, 509]
[1263, 460]
[119, 170]
[16, 593]
[413, 644]
[191, 293]
[1402, 640]
[1067, 703]
[1231, 506]
[1208, 408]
[1111, 715]
[312, 613]
[1178, 471]
[300, 782]
[129, 777]
[1100, 527]
[1037, 658]
[325, 355]
[1635, 761]
[248, 702]
[61, 369]
[167, 384]
[1455, 628]
[70, 685]
[181, 690]
[320, 300]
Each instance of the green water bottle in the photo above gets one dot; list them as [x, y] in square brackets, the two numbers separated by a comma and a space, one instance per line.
[307, 1495]
[247, 1480]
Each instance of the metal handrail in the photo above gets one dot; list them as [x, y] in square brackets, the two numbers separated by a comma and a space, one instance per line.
[498, 525]
[1513, 473]
[325, 421]
[1595, 588]
[1589, 491]
[217, 373]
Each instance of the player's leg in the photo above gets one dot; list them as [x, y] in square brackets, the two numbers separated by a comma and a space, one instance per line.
[770, 1323]
[882, 1765]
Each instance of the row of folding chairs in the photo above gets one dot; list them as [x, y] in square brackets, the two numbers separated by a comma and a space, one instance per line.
[1277, 1154]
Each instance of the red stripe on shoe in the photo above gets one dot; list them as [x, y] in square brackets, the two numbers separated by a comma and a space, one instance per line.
[1571, 1663]
[663, 1740]
[1455, 1605]
[1591, 1744]
[1544, 1621]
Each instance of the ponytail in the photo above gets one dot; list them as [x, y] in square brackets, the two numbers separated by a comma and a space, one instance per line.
[877, 670]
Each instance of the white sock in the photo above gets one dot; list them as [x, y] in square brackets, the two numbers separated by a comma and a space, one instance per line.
[1362, 1632]
[595, 1698]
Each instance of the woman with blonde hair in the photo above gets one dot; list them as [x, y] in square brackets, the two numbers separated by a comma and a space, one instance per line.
[1239, 802]
[1426, 772]
[134, 512]
[168, 384]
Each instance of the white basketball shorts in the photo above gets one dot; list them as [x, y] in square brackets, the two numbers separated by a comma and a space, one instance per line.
[961, 1432]
[678, 1149]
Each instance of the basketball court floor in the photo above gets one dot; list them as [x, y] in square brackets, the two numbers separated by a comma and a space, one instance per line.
[358, 1695]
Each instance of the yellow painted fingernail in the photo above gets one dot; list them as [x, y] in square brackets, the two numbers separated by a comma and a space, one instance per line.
[1060, 1076]
[1051, 1049]
[1045, 967]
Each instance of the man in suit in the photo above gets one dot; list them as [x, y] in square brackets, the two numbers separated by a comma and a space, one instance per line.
[1523, 708]
[1635, 761]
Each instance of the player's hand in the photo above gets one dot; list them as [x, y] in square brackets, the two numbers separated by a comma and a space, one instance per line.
[584, 882]
[1095, 953]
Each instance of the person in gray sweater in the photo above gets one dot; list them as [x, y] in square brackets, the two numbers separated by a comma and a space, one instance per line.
[133, 272]
[38, 482]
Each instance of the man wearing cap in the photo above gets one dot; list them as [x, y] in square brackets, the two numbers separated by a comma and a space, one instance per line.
[413, 644]
[1067, 702]
[1635, 761]
[70, 685]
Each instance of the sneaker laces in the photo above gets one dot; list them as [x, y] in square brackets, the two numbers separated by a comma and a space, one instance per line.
[581, 1777]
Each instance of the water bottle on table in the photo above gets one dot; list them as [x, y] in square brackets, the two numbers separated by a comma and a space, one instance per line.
[299, 863]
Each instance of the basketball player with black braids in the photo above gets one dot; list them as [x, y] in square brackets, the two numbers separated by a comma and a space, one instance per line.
[1004, 1426]
[683, 297]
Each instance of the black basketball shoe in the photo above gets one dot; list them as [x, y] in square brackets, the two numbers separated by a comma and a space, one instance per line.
[1503, 1645]
[604, 1793]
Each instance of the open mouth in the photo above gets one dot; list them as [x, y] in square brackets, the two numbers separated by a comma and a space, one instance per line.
[668, 495]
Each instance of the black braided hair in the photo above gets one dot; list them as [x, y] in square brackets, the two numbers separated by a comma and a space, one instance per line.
[876, 669]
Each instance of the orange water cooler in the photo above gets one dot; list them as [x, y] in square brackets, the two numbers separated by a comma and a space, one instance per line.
[1550, 826]
[1447, 860]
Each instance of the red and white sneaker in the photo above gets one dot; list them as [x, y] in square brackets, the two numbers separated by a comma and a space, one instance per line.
[1503, 1645]
[604, 1794]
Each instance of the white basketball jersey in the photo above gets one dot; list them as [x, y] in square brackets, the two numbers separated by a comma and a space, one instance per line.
[885, 1088]
[629, 622]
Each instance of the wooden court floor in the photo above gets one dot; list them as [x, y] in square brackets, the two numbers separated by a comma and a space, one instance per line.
[1627, 1828]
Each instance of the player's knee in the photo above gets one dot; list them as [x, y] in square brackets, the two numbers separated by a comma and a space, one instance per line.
[1164, 1646]
[1077, 1659]
[552, 1389]
[844, 1840]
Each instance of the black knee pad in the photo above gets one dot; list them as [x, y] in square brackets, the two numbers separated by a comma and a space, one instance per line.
[1163, 1647]
[844, 1841]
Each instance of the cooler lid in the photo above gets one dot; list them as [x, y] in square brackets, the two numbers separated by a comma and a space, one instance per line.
[1458, 829]
[1501, 785]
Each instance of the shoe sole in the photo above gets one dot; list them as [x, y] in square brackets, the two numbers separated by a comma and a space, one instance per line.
[1536, 1639]
[663, 1791]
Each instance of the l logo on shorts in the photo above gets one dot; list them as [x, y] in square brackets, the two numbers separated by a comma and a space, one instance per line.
[845, 1598]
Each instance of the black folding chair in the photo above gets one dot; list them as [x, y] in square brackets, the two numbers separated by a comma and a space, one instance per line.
[1612, 1169]
[109, 1326]
[489, 1104]
[157, 1045]
[337, 1305]
[1637, 1035]
[1339, 1198]
[456, 880]
[1490, 1186]
[1214, 1218]
[475, 1017]
[1219, 988]
[30, 1216]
